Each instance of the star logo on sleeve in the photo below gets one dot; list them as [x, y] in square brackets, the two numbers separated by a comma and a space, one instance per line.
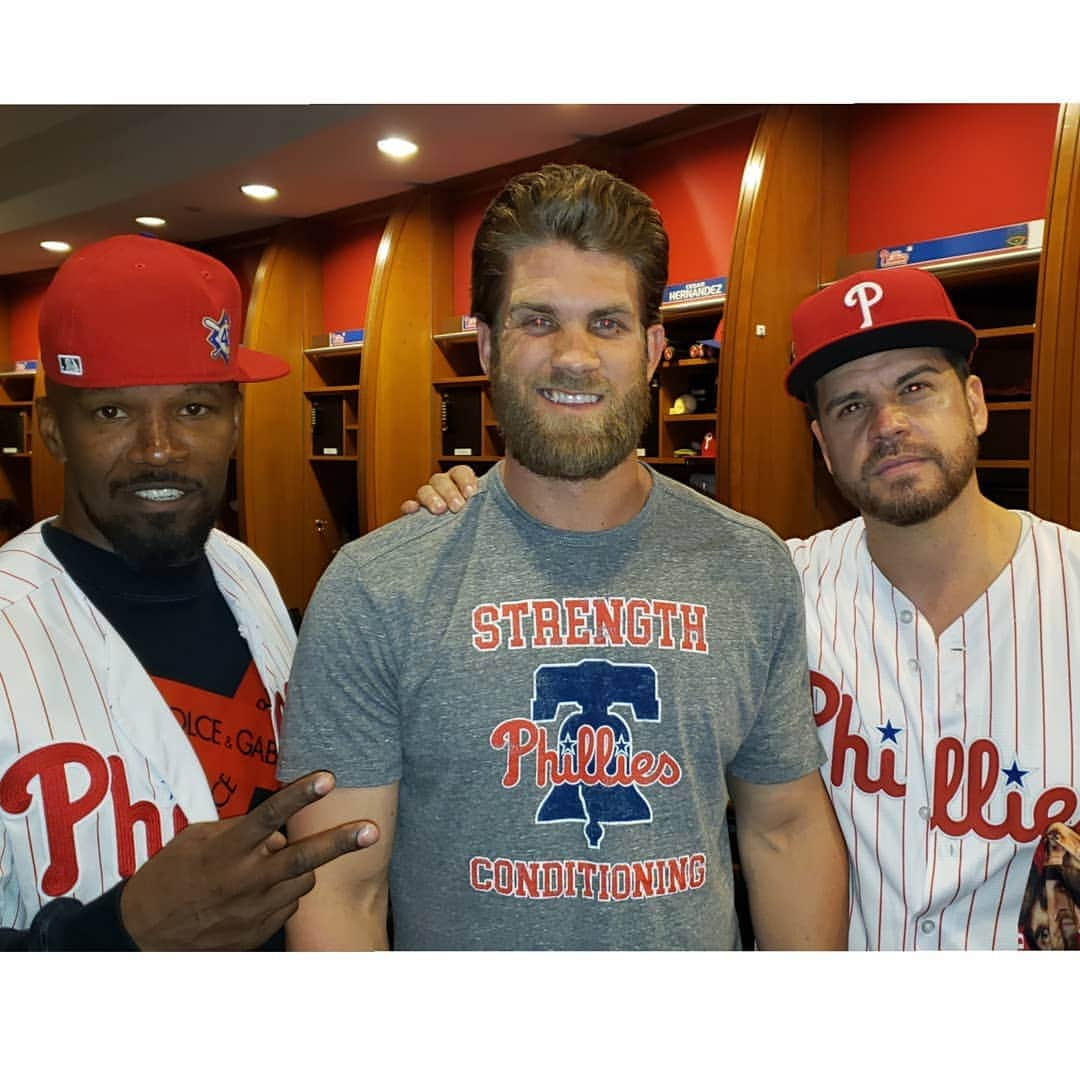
[218, 338]
[1015, 775]
[889, 733]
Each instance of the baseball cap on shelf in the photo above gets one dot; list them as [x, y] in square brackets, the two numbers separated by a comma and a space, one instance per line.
[139, 311]
[868, 312]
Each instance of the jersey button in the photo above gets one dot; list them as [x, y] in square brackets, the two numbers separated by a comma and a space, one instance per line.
[913, 665]
[906, 616]
[924, 813]
[928, 926]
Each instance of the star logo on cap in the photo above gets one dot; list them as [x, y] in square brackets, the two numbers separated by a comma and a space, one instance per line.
[218, 338]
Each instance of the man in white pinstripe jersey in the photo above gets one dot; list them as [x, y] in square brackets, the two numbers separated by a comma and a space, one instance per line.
[940, 630]
[144, 654]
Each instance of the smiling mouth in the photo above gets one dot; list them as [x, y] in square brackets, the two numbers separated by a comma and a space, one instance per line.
[564, 397]
[164, 494]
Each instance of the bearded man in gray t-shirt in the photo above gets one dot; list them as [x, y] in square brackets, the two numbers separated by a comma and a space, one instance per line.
[547, 700]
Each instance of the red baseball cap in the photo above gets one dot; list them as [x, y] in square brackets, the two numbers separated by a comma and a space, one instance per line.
[868, 312]
[138, 311]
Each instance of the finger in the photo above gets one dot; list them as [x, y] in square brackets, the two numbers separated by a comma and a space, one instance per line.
[409, 506]
[465, 479]
[448, 491]
[302, 856]
[268, 817]
[430, 500]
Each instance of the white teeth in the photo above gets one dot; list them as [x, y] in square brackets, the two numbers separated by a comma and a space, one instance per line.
[560, 397]
[160, 494]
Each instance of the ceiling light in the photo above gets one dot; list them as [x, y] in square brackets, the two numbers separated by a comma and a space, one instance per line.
[153, 222]
[397, 148]
[55, 245]
[259, 191]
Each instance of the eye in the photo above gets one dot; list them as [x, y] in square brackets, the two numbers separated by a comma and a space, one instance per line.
[109, 412]
[535, 324]
[849, 408]
[195, 408]
[609, 325]
[915, 386]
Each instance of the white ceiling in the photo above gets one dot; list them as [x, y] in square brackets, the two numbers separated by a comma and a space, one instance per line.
[82, 172]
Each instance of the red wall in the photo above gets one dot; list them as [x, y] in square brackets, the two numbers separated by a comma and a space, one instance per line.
[24, 295]
[917, 172]
[348, 263]
[694, 182]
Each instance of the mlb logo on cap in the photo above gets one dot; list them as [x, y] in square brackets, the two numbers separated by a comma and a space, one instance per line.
[868, 312]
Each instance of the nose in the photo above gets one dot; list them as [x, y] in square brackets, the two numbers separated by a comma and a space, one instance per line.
[158, 440]
[575, 351]
[889, 419]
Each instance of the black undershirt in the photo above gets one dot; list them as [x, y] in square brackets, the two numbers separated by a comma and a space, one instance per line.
[175, 620]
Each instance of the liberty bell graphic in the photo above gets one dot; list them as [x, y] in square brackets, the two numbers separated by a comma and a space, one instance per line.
[594, 686]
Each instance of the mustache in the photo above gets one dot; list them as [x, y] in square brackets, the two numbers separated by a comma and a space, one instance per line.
[574, 384]
[155, 478]
[894, 448]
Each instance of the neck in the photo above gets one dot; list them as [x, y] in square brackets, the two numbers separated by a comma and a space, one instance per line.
[579, 505]
[945, 564]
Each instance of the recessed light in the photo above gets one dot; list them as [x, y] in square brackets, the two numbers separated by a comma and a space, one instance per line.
[55, 245]
[153, 222]
[397, 148]
[259, 191]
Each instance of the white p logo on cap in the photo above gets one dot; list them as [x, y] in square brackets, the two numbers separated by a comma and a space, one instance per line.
[866, 294]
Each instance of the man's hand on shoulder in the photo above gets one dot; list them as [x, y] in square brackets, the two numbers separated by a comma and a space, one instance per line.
[444, 491]
[231, 884]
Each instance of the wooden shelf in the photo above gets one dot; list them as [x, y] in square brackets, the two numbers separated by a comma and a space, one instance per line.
[333, 457]
[679, 459]
[353, 349]
[331, 391]
[23, 455]
[687, 308]
[1027, 330]
[454, 337]
[682, 418]
[1003, 463]
[455, 381]
[690, 361]
[464, 459]
[1008, 406]
[18, 375]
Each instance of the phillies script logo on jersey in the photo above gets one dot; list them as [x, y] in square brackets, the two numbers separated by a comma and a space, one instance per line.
[72, 782]
[592, 773]
[965, 778]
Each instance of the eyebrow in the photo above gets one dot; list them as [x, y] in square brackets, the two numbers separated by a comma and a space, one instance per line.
[854, 395]
[549, 309]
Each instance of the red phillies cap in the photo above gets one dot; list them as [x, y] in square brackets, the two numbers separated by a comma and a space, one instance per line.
[868, 312]
[138, 311]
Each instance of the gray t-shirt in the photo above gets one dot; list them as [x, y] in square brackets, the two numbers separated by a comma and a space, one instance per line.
[560, 709]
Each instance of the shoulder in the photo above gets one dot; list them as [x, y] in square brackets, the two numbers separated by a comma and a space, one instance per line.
[828, 547]
[26, 565]
[681, 509]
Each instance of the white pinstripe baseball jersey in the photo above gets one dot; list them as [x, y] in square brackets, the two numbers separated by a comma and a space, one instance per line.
[95, 772]
[948, 757]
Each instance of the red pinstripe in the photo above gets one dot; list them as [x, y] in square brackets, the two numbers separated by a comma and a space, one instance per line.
[33, 673]
[25, 581]
[971, 906]
[1016, 662]
[881, 710]
[1001, 899]
[60, 665]
[933, 875]
[11, 713]
[1042, 653]
[989, 670]
[1068, 664]
[250, 569]
[90, 667]
[959, 880]
[9, 550]
[100, 857]
[33, 863]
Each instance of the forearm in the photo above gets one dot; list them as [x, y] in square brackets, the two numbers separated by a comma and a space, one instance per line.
[797, 880]
[338, 918]
[66, 925]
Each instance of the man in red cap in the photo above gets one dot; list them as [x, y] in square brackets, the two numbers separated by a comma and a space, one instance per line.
[941, 627]
[144, 654]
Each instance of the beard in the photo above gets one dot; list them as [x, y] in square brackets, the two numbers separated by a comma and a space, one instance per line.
[909, 501]
[569, 448]
[152, 543]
